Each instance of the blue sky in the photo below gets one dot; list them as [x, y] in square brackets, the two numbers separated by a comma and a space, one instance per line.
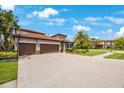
[103, 22]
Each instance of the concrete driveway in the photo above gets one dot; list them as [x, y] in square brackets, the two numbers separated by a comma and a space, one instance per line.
[69, 71]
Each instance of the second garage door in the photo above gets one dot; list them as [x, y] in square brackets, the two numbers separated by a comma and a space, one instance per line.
[49, 48]
[26, 49]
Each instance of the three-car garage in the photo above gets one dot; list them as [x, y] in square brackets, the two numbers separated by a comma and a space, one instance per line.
[30, 48]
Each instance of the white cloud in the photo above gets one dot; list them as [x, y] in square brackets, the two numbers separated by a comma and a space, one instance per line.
[103, 32]
[8, 7]
[73, 20]
[34, 13]
[49, 23]
[29, 15]
[93, 19]
[81, 28]
[57, 21]
[115, 20]
[120, 33]
[109, 31]
[25, 22]
[108, 34]
[97, 21]
[70, 37]
[46, 13]
[120, 12]
[101, 24]
[64, 10]
[60, 20]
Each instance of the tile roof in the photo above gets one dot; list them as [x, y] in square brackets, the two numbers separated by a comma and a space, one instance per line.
[37, 35]
[31, 31]
[59, 34]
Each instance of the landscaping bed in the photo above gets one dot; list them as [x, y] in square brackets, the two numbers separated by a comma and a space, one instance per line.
[85, 52]
[8, 56]
[8, 71]
[116, 56]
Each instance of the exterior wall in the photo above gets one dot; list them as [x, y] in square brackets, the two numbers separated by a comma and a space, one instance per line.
[38, 42]
[27, 40]
[37, 48]
[16, 45]
[56, 37]
[60, 37]
[48, 42]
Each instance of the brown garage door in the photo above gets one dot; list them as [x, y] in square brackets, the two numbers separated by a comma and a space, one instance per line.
[49, 48]
[26, 49]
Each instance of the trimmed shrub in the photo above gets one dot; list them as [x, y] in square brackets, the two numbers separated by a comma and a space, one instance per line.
[79, 51]
[69, 50]
[86, 46]
[8, 55]
[108, 47]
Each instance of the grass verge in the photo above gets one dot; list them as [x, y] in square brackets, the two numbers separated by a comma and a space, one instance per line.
[93, 53]
[116, 56]
[8, 71]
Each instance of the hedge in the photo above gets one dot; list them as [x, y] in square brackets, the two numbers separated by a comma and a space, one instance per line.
[76, 51]
[8, 55]
[79, 51]
[69, 50]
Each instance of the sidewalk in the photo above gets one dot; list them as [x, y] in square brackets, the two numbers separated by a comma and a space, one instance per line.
[103, 55]
[11, 84]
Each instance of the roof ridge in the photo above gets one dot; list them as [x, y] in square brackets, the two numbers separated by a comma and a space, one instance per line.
[23, 29]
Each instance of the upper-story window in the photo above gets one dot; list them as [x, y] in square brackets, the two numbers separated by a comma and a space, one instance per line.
[60, 36]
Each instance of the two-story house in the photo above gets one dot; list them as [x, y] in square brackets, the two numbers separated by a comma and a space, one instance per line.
[31, 42]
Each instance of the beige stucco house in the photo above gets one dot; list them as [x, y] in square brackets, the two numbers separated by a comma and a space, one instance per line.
[32, 42]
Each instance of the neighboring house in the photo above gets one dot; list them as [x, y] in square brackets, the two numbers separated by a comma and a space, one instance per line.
[31, 42]
[102, 43]
[107, 43]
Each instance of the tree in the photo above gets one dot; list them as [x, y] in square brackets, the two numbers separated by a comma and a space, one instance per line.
[95, 43]
[119, 43]
[8, 25]
[81, 38]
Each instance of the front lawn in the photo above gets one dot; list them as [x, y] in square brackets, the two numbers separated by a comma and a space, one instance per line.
[85, 52]
[8, 71]
[93, 53]
[116, 56]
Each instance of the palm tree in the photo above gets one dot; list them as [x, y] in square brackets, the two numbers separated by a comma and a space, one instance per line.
[8, 25]
[95, 43]
[80, 39]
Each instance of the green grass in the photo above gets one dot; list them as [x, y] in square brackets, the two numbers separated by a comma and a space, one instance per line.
[8, 71]
[116, 56]
[93, 53]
